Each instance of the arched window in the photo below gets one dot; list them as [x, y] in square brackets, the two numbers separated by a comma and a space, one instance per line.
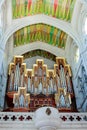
[84, 30]
[0, 21]
[76, 58]
[85, 27]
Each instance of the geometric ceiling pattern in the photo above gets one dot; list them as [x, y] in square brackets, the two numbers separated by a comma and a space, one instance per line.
[41, 53]
[61, 9]
[40, 32]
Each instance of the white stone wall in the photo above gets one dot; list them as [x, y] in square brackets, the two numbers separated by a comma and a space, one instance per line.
[30, 61]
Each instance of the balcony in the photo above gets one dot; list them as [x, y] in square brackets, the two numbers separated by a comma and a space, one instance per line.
[43, 118]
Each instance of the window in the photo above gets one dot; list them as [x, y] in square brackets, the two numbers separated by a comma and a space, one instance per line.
[85, 26]
[85, 30]
[0, 25]
[77, 55]
[0, 20]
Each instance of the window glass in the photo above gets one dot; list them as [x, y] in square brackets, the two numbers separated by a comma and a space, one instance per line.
[77, 55]
[85, 26]
[0, 20]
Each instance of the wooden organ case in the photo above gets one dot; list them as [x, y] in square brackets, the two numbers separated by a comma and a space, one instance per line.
[39, 86]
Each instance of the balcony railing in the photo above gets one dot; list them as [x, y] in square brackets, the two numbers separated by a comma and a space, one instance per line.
[8, 116]
[65, 117]
[73, 117]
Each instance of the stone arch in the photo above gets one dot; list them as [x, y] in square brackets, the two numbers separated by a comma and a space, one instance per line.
[34, 20]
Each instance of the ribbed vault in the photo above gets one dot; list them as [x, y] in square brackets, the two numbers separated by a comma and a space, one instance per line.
[61, 9]
[40, 32]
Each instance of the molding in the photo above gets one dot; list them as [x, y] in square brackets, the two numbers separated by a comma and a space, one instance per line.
[39, 45]
[40, 18]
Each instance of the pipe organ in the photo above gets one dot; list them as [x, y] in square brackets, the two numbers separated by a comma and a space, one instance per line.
[21, 99]
[49, 87]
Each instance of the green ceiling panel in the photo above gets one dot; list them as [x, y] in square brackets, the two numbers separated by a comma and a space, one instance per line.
[40, 32]
[42, 53]
[61, 9]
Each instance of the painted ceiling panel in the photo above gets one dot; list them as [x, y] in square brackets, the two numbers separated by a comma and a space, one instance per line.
[40, 32]
[41, 53]
[61, 9]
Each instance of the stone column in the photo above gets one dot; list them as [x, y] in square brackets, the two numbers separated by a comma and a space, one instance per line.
[3, 77]
[9, 12]
[10, 49]
[3, 82]
[84, 59]
[76, 13]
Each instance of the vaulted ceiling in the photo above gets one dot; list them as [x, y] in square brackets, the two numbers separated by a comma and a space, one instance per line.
[60, 9]
[40, 32]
